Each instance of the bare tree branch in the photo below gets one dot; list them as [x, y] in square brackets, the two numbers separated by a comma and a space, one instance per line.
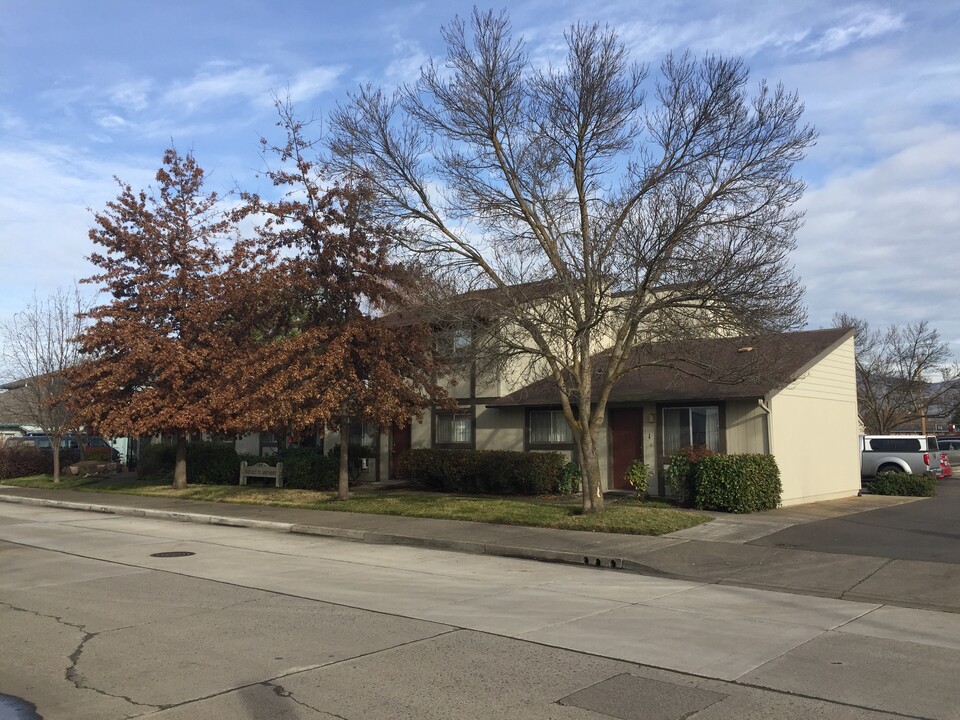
[904, 374]
[648, 220]
[38, 345]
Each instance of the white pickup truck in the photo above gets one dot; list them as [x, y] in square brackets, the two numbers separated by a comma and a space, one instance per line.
[916, 454]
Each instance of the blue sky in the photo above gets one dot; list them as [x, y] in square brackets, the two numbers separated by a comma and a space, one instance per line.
[95, 88]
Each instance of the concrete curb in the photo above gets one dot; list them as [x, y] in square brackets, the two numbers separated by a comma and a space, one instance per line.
[381, 538]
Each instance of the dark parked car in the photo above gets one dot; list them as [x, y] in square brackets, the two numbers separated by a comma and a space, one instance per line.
[90, 442]
[72, 447]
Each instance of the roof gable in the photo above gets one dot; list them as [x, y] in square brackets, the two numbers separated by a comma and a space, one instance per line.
[704, 369]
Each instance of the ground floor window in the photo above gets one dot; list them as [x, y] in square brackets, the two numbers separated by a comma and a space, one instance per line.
[363, 433]
[690, 426]
[454, 428]
[549, 427]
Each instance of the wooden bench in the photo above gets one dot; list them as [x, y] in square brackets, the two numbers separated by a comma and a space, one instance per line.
[261, 470]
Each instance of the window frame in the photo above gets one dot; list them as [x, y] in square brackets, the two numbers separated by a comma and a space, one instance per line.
[530, 443]
[454, 341]
[465, 411]
[689, 407]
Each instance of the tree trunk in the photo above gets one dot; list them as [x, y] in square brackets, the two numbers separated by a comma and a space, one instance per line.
[55, 446]
[590, 471]
[180, 468]
[343, 490]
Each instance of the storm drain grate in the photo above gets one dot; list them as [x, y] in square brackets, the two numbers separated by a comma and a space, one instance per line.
[175, 553]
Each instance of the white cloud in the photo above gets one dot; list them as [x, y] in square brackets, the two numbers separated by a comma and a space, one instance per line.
[408, 58]
[879, 240]
[111, 121]
[44, 215]
[859, 24]
[315, 81]
[216, 82]
[131, 95]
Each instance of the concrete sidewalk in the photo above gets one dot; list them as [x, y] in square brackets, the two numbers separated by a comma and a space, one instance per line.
[715, 553]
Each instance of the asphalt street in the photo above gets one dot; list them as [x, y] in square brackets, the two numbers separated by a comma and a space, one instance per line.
[114, 616]
[926, 530]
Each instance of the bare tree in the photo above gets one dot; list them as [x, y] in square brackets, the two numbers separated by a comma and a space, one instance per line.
[38, 346]
[602, 220]
[902, 373]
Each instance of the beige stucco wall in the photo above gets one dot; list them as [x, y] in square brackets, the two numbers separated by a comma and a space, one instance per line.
[420, 432]
[813, 431]
[499, 429]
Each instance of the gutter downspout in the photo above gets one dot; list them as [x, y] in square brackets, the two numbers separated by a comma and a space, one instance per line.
[764, 404]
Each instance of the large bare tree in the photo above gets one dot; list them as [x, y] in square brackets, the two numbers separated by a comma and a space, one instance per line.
[606, 210]
[902, 373]
[38, 347]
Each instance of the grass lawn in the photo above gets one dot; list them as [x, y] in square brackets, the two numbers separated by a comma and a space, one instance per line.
[624, 515]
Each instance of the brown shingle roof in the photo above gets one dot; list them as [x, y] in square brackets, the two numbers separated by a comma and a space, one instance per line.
[474, 304]
[12, 404]
[707, 369]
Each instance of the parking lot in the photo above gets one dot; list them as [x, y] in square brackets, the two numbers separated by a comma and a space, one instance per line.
[928, 529]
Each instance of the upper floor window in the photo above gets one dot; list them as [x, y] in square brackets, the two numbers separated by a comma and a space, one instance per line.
[691, 426]
[454, 341]
[549, 427]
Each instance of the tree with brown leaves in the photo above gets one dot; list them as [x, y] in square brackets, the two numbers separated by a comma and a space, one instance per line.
[153, 351]
[323, 272]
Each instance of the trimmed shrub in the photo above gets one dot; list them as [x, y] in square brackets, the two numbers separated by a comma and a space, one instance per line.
[900, 483]
[681, 472]
[489, 472]
[307, 468]
[304, 468]
[157, 460]
[24, 460]
[737, 483]
[208, 463]
[212, 463]
[637, 475]
[444, 470]
[570, 479]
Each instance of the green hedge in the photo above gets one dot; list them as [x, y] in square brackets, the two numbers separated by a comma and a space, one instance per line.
[900, 483]
[23, 460]
[304, 468]
[208, 463]
[489, 472]
[737, 483]
[681, 472]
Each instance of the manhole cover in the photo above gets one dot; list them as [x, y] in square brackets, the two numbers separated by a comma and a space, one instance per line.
[177, 553]
[629, 697]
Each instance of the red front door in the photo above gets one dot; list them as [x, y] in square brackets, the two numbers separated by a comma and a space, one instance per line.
[399, 446]
[626, 442]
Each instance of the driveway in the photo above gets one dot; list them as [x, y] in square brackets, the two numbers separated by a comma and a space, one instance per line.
[928, 529]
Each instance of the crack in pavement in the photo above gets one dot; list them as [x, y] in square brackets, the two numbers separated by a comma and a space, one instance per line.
[71, 674]
[281, 691]
[860, 582]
